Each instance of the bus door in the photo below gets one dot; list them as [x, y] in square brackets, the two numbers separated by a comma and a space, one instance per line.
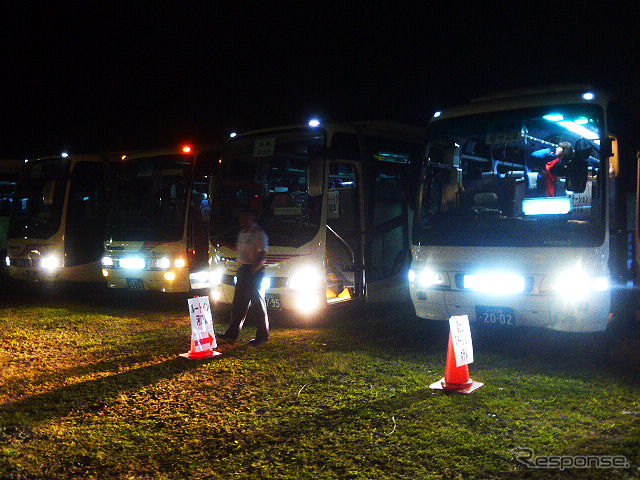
[198, 227]
[344, 238]
[86, 213]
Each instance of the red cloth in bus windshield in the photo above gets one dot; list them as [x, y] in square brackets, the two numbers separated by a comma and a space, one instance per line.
[551, 178]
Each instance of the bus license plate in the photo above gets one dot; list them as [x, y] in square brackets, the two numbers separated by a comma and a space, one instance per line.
[135, 284]
[500, 316]
[272, 300]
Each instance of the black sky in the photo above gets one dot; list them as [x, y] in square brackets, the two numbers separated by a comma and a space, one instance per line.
[107, 76]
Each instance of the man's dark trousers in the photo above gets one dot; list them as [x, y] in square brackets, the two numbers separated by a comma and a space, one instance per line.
[247, 293]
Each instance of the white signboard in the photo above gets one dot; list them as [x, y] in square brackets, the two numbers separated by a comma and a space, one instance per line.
[461, 338]
[201, 324]
[264, 147]
[511, 136]
[333, 204]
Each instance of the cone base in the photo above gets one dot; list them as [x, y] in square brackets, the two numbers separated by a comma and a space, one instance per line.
[200, 355]
[442, 385]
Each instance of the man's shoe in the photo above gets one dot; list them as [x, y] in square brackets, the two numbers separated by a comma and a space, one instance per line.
[257, 341]
[227, 337]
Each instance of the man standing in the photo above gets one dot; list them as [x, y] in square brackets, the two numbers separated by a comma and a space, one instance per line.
[251, 247]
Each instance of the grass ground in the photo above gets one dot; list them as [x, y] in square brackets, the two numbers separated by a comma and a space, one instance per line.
[91, 386]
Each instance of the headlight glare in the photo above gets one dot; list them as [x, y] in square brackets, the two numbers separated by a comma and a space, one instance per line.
[428, 278]
[307, 278]
[162, 263]
[132, 263]
[107, 261]
[216, 275]
[50, 262]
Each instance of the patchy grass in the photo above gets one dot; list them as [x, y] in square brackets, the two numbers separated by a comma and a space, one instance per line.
[93, 390]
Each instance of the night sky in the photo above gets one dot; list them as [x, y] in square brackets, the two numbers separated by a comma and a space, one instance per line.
[108, 76]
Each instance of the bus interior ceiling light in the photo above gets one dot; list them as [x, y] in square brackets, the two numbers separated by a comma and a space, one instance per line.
[495, 283]
[314, 122]
[576, 127]
[546, 206]
[132, 263]
[588, 96]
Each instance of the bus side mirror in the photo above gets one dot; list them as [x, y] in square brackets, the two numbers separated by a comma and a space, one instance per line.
[578, 168]
[606, 147]
[316, 172]
[48, 191]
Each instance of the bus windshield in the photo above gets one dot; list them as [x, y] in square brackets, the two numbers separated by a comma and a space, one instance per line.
[150, 199]
[267, 173]
[37, 209]
[499, 179]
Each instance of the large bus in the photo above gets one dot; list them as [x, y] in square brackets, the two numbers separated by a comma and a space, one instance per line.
[158, 226]
[336, 201]
[9, 174]
[57, 219]
[509, 235]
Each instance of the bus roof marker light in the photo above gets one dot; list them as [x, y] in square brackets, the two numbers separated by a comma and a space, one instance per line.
[588, 96]
[314, 122]
[437, 114]
[233, 135]
[64, 155]
[186, 149]
[554, 117]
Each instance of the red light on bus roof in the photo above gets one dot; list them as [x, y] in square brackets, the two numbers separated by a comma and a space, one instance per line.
[123, 157]
[186, 149]
[220, 161]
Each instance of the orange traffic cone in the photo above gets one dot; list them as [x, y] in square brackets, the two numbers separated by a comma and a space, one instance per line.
[456, 378]
[201, 348]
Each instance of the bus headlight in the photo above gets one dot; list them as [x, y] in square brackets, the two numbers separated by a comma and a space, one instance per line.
[107, 262]
[170, 276]
[179, 262]
[50, 262]
[497, 283]
[215, 277]
[162, 263]
[576, 284]
[427, 278]
[305, 278]
[132, 263]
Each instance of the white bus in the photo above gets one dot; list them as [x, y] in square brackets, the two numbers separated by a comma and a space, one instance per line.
[57, 219]
[336, 201]
[9, 174]
[158, 226]
[505, 238]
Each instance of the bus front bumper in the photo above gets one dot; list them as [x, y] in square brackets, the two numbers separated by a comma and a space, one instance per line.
[546, 311]
[154, 280]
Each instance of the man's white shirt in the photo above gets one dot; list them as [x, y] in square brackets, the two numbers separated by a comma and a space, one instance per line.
[250, 244]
